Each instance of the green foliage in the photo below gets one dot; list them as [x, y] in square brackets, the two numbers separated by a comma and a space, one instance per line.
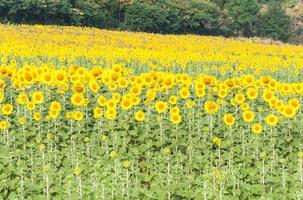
[214, 17]
[190, 16]
[89, 13]
[243, 15]
[275, 23]
[78, 12]
[158, 17]
[32, 11]
[199, 16]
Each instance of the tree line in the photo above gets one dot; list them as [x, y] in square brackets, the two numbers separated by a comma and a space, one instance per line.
[264, 18]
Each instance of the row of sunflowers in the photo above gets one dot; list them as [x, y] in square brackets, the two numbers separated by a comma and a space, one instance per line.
[95, 114]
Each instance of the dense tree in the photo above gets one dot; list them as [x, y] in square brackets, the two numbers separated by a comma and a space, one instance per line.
[156, 17]
[36, 11]
[274, 23]
[211, 17]
[242, 15]
[89, 12]
[199, 17]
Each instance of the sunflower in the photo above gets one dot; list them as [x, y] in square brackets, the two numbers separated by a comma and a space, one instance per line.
[22, 98]
[256, 128]
[135, 100]
[265, 80]
[37, 116]
[2, 84]
[1, 97]
[267, 95]
[77, 99]
[101, 101]
[77, 171]
[168, 82]
[126, 103]
[135, 90]
[126, 164]
[112, 87]
[116, 97]
[21, 120]
[222, 93]
[94, 86]
[140, 116]
[60, 76]
[217, 141]
[4, 125]
[244, 106]
[184, 93]
[7, 109]
[61, 89]
[151, 95]
[175, 109]
[175, 118]
[53, 114]
[97, 112]
[30, 105]
[38, 97]
[55, 106]
[272, 84]
[249, 79]
[239, 98]
[173, 100]
[211, 107]
[122, 83]
[160, 106]
[190, 104]
[113, 154]
[248, 116]
[147, 80]
[111, 104]
[289, 111]
[271, 120]
[69, 115]
[200, 92]
[78, 115]
[272, 102]
[252, 93]
[78, 87]
[47, 78]
[111, 114]
[279, 104]
[229, 119]
[295, 103]
[298, 88]
[233, 102]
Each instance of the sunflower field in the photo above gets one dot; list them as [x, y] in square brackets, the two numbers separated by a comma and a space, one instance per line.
[96, 114]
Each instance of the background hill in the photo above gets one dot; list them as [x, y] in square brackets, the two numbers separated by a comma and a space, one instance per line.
[276, 19]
